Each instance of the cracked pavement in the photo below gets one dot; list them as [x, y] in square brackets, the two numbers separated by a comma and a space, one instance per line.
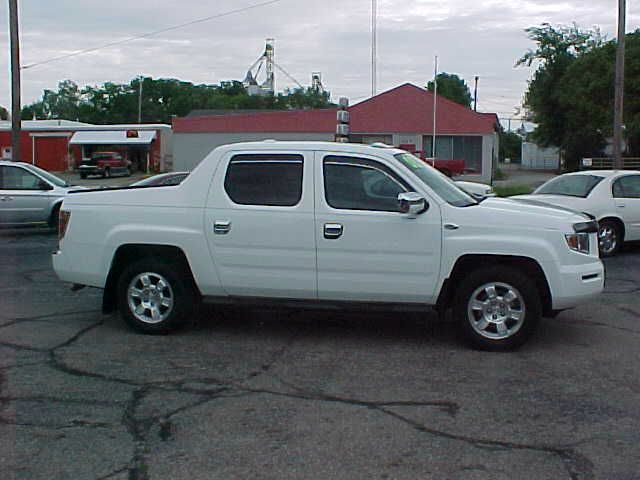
[274, 394]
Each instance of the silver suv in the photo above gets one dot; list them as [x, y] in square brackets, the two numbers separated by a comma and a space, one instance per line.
[30, 195]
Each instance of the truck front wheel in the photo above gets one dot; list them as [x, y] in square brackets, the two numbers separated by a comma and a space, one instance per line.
[497, 308]
[154, 297]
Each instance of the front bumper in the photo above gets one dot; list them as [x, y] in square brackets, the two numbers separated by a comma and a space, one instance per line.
[577, 283]
[90, 169]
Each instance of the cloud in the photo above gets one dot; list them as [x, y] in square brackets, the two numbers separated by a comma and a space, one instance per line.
[333, 37]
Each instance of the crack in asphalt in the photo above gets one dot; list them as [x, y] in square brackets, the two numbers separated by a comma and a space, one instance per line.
[577, 465]
[47, 316]
[114, 473]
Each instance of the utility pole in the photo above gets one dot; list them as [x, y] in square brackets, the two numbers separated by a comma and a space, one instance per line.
[619, 88]
[475, 94]
[374, 41]
[15, 81]
[140, 100]
[435, 107]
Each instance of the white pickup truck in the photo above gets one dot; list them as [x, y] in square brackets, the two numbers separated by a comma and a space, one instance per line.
[315, 224]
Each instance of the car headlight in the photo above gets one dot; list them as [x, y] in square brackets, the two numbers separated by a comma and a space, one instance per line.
[578, 242]
[488, 191]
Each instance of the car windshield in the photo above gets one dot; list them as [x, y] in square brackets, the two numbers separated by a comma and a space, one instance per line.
[570, 185]
[442, 185]
[58, 182]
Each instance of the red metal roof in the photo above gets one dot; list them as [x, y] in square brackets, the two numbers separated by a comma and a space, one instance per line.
[404, 109]
[409, 109]
[286, 121]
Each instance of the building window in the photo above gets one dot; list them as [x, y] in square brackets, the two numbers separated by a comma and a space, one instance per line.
[359, 184]
[265, 179]
[467, 148]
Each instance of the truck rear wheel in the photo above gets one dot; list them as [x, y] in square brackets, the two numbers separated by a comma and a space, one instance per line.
[154, 297]
[497, 308]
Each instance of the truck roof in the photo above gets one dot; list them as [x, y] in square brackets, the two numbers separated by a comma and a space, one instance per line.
[310, 145]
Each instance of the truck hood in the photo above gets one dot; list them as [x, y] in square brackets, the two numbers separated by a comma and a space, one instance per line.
[525, 213]
[565, 202]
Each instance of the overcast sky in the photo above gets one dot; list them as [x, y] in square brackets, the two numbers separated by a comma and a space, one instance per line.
[471, 37]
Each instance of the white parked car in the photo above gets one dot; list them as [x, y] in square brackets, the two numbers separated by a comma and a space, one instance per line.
[329, 225]
[612, 197]
[476, 188]
[30, 195]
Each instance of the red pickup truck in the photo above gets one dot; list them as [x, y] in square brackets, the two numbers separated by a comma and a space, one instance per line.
[105, 164]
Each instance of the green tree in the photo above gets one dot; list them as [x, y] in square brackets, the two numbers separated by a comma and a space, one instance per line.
[452, 87]
[161, 100]
[558, 48]
[510, 146]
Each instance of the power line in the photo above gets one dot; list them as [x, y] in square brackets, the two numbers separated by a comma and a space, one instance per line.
[150, 34]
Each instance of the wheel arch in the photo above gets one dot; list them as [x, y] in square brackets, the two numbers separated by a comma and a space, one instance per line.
[55, 208]
[617, 220]
[470, 262]
[127, 253]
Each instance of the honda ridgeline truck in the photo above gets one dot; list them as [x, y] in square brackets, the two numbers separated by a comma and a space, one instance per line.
[327, 224]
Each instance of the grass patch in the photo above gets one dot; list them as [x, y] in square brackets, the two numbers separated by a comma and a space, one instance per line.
[499, 175]
[510, 190]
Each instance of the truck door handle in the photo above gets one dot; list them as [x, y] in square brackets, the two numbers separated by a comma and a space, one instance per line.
[221, 228]
[620, 205]
[332, 231]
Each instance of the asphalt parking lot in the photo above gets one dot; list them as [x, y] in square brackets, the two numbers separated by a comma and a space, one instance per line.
[278, 394]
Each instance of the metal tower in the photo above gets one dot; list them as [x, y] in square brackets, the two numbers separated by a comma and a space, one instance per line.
[316, 82]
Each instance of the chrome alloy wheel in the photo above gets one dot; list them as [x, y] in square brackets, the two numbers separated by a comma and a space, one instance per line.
[150, 297]
[496, 310]
[607, 239]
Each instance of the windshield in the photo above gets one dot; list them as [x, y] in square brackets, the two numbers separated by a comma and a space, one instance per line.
[58, 182]
[442, 185]
[570, 185]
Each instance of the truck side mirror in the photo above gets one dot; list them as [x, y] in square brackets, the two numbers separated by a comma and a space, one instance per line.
[412, 204]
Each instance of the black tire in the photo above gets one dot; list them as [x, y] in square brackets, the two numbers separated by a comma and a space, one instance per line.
[609, 246]
[54, 219]
[181, 292]
[128, 174]
[527, 302]
[83, 175]
[106, 173]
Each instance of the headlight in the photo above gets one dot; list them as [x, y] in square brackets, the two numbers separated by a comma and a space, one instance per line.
[488, 191]
[578, 242]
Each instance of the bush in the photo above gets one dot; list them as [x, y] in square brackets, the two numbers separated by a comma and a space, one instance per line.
[510, 190]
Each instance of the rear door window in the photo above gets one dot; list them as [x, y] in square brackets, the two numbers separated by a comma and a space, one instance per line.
[265, 179]
[627, 187]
